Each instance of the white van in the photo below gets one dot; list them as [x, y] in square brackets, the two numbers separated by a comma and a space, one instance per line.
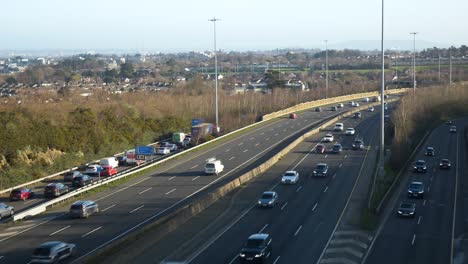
[213, 166]
[338, 127]
[111, 161]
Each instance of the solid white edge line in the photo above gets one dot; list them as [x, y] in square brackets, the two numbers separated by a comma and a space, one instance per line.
[138, 208]
[92, 231]
[60, 230]
[454, 203]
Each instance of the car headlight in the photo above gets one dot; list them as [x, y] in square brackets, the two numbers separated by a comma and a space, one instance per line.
[270, 202]
[241, 255]
[441, 164]
[415, 167]
[421, 192]
[400, 212]
[258, 255]
[315, 172]
[411, 213]
[259, 202]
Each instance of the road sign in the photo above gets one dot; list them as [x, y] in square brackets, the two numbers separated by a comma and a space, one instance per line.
[144, 150]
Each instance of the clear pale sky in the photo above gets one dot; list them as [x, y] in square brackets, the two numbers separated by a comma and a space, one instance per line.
[182, 25]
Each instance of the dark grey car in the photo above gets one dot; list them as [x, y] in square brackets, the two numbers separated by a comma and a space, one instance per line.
[268, 199]
[83, 209]
[416, 190]
[321, 170]
[257, 249]
[407, 209]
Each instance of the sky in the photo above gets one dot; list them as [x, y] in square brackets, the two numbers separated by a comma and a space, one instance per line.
[182, 25]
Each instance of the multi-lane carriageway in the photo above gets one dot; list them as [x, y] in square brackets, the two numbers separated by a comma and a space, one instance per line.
[127, 207]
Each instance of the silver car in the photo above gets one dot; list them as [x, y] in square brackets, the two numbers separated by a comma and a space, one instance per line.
[6, 210]
[83, 209]
[52, 252]
[268, 199]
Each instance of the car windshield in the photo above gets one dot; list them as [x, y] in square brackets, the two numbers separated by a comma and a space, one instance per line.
[289, 174]
[321, 167]
[415, 186]
[16, 192]
[210, 166]
[254, 243]
[76, 207]
[420, 162]
[42, 251]
[336, 146]
[445, 161]
[267, 196]
[406, 206]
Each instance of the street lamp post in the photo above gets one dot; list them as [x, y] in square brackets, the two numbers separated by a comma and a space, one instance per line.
[326, 68]
[450, 66]
[216, 72]
[414, 61]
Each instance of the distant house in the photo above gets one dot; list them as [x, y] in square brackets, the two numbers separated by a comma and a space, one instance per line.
[257, 85]
[297, 84]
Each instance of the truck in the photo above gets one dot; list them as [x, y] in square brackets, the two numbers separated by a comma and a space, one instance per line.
[213, 166]
[110, 161]
[131, 157]
[178, 137]
[201, 130]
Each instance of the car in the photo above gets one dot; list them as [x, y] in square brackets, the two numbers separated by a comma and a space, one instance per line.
[449, 122]
[93, 169]
[453, 129]
[82, 167]
[320, 170]
[416, 190]
[370, 109]
[386, 96]
[356, 105]
[21, 194]
[53, 190]
[290, 177]
[338, 127]
[376, 99]
[268, 199]
[358, 144]
[70, 175]
[213, 166]
[53, 252]
[82, 180]
[163, 144]
[337, 148]
[163, 151]
[350, 131]
[320, 148]
[83, 209]
[386, 118]
[172, 147]
[292, 116]
[352, 103]
[406, 209]
[340, 105]
[6, 211]
[122, 160]
[429, 151]
[108, 171]
[357, 115]
[366, 99]
[318, 109]
[257, 249]
[420, 166]
[333, 108]
[328, 138]
[445, 164]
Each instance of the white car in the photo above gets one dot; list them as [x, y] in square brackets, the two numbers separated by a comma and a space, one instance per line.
[338, 127]
[356, 105]
[370, 109]
[349, 131]
[290, 177]
[340, 105]
[163, 150]
[366, 99]
[328, 138]
[352, 103]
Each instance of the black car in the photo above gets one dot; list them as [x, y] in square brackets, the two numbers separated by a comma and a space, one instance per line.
[358, 144]
[333, 108]
[337, 148]
[82, 180]
[448, 122]
[54, 190]
[453, 129]
[445, 164]
[429, 151]
[318, 109]
[321, 170]
[70, 175]
[407, 209]
[257, 249]
[416, 190]
[122, 160]
[420, 166]
[357, 115]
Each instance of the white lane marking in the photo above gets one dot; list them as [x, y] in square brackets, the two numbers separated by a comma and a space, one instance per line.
[334, 176]
[257, 144]
[284, 205]
[240, 144]
[298, 189]
[276, 260]
[267, 139]
[171, 178]
[284, 130]
[18, 227]
[30, 201]
[145, 190]
[194, 167]
[326, 189]
[414, 238]
[431, 178]
[341, 165]
[170, 191]
[136, 209]
[108, 208]
[60, 230]
[261, 134]
[276, 134]
[252, 138]
[429, 189]
[122, 189]
[424, 202]
[227, 150]
[46, 221]
[231, 158]
[263, 228]
[195, 178]
[2, 257]
[419, 219]
[92, 231]
[297, 231]
[315, 206]
[325, 156]
[245, 150]
[8, 234]
[345, 156]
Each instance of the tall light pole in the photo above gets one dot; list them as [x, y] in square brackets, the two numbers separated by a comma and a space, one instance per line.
[326, 68]
[414, 61]
[439, 69]
[450, 66]
[216, 72]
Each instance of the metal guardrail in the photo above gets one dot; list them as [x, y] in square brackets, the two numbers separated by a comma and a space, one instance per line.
[42, 207]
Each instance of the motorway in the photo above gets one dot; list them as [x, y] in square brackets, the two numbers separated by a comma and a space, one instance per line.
[426, 238]
[127, 207]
